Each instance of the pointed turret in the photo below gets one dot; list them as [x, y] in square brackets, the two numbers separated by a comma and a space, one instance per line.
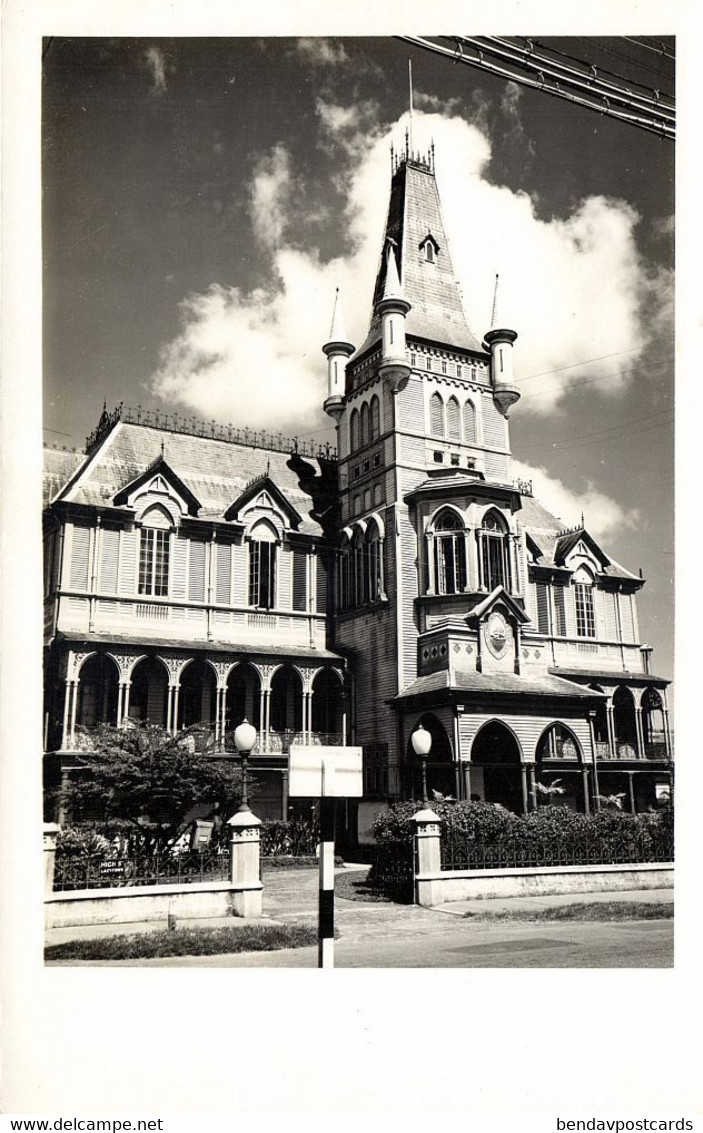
[392, 308]
[338, 350]
[499, 340]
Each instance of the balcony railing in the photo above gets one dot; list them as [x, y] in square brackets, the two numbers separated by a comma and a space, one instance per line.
[202, 739]
[627, 750]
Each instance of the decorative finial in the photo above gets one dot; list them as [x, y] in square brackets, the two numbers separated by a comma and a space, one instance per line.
[162, 448]
[410, 84]
[583, 522]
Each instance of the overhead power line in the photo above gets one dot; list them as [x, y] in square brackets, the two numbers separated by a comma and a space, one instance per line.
[581, 83]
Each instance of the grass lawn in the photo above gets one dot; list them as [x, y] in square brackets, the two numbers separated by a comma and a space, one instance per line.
[185, 942]
[354, 886]
[586, 911]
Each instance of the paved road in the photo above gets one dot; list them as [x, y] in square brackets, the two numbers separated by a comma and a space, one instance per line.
[463, 944]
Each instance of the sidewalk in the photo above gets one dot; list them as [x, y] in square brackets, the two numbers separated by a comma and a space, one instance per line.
[291, 896]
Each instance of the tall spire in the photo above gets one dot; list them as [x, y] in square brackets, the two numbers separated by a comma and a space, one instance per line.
[392, 288]
[338, 350]
[338, 329]
[494, 312]
[410, 84]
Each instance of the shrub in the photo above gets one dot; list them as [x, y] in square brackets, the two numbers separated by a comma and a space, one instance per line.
[295, 837]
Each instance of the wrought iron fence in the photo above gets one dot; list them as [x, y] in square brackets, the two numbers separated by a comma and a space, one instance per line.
[97, 871]
[393, 871]
[466, 854]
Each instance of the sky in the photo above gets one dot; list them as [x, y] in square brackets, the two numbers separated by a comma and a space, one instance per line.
[204, 198]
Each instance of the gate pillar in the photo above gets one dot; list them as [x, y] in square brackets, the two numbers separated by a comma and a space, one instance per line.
[428, 859]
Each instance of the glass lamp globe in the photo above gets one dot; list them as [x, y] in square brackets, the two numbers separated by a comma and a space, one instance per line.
[244, 737]
[421, 740]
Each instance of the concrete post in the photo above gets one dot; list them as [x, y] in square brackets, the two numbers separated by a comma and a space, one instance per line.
[428, 862]
[245, 871]
[51, 833]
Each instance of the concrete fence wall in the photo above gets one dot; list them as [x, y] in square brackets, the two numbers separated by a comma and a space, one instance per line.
[435, 886]
[241, 896]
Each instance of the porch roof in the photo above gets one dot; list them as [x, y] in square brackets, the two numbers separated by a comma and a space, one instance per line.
[511, 684]
[190, 646]
[611, 676]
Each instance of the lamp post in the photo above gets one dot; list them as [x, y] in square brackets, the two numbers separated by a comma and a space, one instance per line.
[244, 740]
[421, 741]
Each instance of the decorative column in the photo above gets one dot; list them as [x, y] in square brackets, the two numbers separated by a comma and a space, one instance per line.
[639, 734]
[532, 786]
[51, 833]
[466, 768]
[127, 687]
[245, 848]
[428, 885]
[631, 791]
[74, 707]
[610, 718]
[284, 794]
[66, 714]
[523, 778]
[596, 785]
[586, 789]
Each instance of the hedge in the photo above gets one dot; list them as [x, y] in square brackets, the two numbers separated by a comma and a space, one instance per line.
[491, 826]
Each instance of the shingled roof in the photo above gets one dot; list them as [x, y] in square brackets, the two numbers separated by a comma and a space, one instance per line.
[59, 467]
[415, 213]
[215, 472]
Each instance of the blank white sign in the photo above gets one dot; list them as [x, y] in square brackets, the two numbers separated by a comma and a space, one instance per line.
[318, 772]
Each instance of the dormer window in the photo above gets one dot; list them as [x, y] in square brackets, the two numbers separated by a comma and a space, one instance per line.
[429, 248]
[585, 615]
[262, 567]
[154, 546]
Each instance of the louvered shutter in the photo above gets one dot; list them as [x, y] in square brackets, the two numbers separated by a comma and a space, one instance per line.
[79, 558]
[224, 574]
[469, 423]
[559, 611]
[109, 560]
[300, 588]
[196, 579]
[542, 607]
[322, 571]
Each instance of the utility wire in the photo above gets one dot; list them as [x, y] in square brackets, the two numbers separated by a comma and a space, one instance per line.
[604, 70]
[567, 442]
[572, 385]
[660, 50]
[584, 362]
[654, 117]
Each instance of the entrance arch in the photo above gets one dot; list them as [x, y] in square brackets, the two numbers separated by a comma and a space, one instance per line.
[496, 766]
[97, 692]
[327, 705]
[196, 701]
[147, 698]
[286, 701]
[624, 723]
[243, 697]
[441, 769]
[559, 763]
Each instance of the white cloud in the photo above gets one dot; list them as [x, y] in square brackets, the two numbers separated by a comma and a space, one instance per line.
[603, 516]
[574, 288]
[155, 60]
[321, 52]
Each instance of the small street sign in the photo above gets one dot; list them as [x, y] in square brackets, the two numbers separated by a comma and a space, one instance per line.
[319, 772]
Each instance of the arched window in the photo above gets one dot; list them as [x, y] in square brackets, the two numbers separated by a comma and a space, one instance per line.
[453, 424]
[429, 252]
[262, 567]
[364, 424]
[449, 554]
[375, 418]
[361, 580]
[154, 546]
[375, 562]
[469, 423]
[344, 596]
[585, 614]
[495, 552]
[354, 431]
[436, 415]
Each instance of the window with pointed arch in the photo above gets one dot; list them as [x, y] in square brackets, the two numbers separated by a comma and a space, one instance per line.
[375, 418]
[354, 430]
[582, 582]
[360, 565]
[453, 420]
[344, 577]
[262, 567]
[364, 424]
[495, 552]
[154, 548]
[449, 553]
[436, 415]
[469, 422]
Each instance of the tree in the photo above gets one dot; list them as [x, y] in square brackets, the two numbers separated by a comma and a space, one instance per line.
[141, 775]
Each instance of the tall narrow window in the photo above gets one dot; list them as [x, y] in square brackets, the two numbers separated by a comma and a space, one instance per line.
[436, 415]
[375, 418]
[375, 563]
[154, 546]
[495, 554]
[262, 567]
[469, 423]
[364, 424]
[450, 554]
[453, 423]
[559, 611]
[354, 430]
[585, 617]
[542, 595]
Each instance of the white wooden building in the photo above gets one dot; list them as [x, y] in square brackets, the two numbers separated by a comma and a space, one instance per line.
[194, 573]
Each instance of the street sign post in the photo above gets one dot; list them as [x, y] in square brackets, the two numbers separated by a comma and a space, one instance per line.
[326, 773]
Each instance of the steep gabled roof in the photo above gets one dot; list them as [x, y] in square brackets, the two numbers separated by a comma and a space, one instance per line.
[260, 484]
[414, 214]
[215, 472]
[59, 467]
[160, 467]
